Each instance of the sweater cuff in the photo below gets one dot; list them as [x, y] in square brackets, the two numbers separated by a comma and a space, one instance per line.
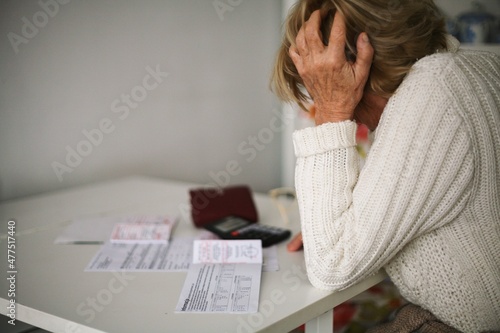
[325, 137]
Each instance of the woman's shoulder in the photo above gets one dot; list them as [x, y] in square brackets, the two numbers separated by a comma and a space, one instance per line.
[425, 78]
[447, 83]
[450, 73]
[443, 64]
[425, 91]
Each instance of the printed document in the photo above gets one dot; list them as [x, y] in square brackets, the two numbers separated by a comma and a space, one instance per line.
[224, 277]
[173, 257]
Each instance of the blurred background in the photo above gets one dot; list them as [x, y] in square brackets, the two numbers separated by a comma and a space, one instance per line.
[474, 22]
[96, 90]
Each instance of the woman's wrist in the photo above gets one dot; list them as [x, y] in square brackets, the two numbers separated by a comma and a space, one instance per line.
[326, 114]
[331, 120]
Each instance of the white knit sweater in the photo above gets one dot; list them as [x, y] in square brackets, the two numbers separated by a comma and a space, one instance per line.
[426, 205]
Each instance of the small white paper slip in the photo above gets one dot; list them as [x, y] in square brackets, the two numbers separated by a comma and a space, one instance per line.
[97, 230]
[224, 277]
[219, 251]
[141, 233]
[270, 261]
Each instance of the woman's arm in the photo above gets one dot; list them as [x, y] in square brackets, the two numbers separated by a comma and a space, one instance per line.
[417, 177]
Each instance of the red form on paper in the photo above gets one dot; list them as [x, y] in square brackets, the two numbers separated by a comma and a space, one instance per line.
[141, 233]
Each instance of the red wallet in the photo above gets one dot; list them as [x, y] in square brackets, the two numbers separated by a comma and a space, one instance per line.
[210, 204]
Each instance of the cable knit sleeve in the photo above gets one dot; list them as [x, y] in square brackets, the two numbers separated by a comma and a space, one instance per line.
[418, 177]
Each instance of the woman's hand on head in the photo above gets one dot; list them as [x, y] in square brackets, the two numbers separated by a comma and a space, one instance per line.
[335, 84]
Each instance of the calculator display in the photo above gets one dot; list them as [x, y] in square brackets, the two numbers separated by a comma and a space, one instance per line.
[230, 224]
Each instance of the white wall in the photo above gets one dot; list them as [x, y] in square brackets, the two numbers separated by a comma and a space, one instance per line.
[74, 71]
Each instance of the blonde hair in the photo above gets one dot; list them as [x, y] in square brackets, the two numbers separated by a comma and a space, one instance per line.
[400, 31]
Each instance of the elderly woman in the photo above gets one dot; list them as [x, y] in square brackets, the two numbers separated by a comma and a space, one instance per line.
[426, 205]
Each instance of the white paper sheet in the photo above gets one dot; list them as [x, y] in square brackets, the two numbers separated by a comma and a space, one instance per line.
[98, 230]
[173, 257]
[218, 251]
[176, 257]
[270, 262]
[224, 277]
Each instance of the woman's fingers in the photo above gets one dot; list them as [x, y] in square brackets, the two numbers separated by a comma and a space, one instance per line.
[308, 40]
[296, 243]
[312, 32]
[334, 83]
[295, 56]
[364, 57]
[336, 42]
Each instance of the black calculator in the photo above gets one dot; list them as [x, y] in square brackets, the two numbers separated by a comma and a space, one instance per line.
[233, 227]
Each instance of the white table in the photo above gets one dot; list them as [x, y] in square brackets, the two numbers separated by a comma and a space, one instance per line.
[54, 293]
